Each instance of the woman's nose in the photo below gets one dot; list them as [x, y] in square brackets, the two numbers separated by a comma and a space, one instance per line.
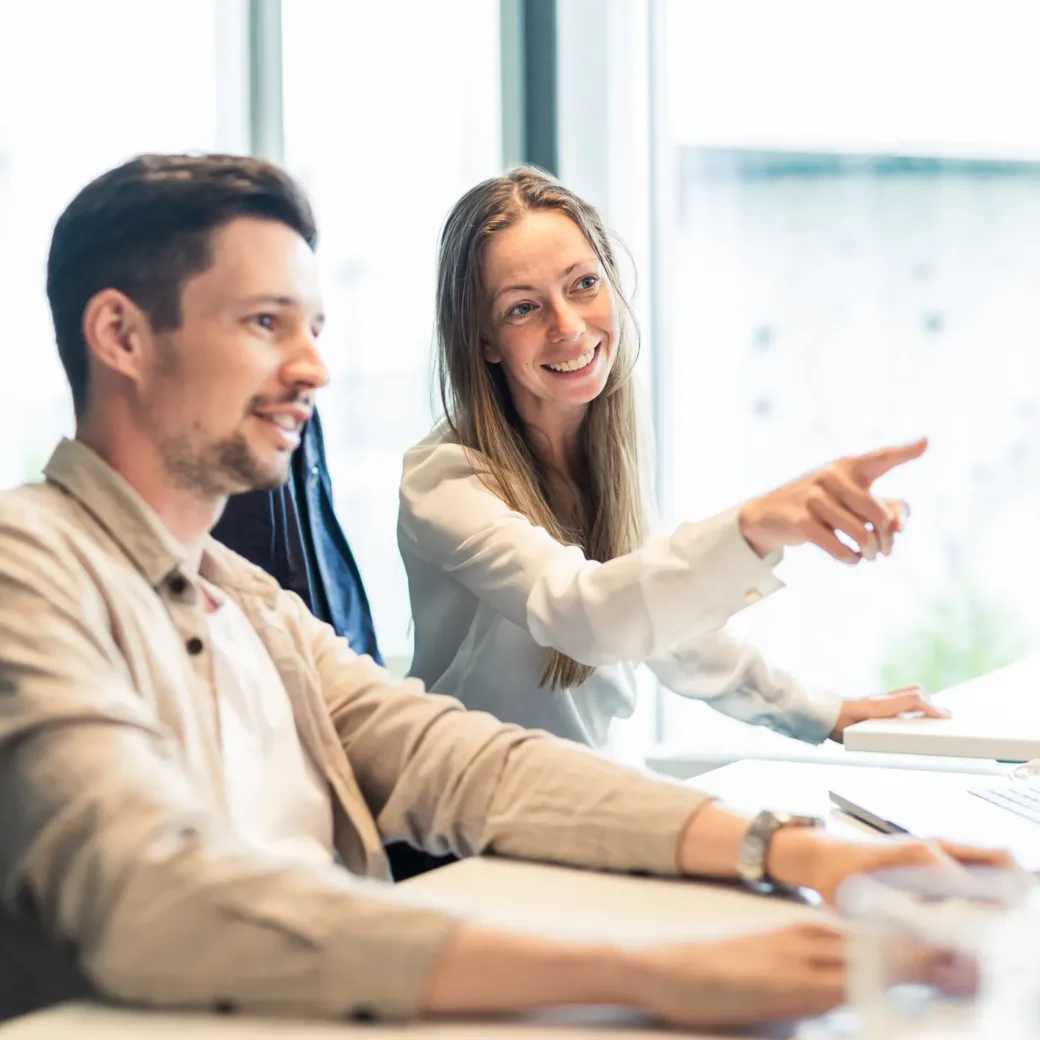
[567, 322]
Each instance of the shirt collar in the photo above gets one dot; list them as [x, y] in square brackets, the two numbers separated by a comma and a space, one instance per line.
[82, 473]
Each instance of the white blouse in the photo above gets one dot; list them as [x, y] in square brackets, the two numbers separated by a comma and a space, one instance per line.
[492, 593]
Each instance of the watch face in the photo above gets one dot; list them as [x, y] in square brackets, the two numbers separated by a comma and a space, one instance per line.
[751, 860]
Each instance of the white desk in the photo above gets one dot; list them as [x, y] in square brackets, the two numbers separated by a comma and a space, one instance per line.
[551, 900]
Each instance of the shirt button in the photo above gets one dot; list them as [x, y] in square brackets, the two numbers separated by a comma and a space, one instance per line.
[752, 596]
[315, 474]
[194, 646]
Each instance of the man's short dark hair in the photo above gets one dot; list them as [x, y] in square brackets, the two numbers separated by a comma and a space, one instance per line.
[144, 228]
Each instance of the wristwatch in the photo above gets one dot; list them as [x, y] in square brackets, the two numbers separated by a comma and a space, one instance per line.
[754, 849]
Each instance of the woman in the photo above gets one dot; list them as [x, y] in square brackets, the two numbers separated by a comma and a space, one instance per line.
[535, 586]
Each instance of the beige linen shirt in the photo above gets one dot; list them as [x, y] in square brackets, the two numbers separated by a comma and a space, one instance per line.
[113, 816]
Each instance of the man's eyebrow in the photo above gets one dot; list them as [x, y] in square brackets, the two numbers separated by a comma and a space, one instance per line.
[277, 299]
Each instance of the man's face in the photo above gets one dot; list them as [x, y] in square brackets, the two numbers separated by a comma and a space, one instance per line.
[229, 389]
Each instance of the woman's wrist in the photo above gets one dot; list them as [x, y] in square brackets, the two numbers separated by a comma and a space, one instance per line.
[749, 525]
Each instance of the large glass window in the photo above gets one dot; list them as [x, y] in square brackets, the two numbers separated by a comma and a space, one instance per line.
[852, 223]
[83, 86]
[391, 113]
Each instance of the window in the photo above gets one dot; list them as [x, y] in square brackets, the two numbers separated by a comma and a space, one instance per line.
[852, 225]
[82, 88]
[391, 113]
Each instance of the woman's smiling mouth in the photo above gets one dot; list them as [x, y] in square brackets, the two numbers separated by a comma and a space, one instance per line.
[577, 364]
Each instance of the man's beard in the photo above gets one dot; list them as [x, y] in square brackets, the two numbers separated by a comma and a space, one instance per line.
[217, 470]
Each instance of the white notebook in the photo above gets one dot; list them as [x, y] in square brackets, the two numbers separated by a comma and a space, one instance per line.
[995, 716]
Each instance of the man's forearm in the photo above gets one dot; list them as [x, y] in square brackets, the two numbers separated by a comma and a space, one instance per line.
[711, 842]
[488, 970]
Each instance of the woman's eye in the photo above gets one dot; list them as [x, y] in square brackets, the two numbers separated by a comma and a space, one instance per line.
[521, 310]
[265, 321]
[590, 281]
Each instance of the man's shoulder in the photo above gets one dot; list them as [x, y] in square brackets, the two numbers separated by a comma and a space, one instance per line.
[47, 541]
[37, 511]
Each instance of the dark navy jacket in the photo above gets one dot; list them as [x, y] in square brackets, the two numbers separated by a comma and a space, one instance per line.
[293, 534]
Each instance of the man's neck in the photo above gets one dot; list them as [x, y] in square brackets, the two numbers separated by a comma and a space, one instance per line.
[186, 515]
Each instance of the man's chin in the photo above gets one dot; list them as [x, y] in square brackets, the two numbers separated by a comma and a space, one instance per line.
[247, 472]
[269, 478]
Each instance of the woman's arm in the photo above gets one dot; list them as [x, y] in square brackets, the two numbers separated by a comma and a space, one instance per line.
[734, 679]
[632, 608]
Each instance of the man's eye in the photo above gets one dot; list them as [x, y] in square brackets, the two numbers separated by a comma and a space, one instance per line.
[265, 321]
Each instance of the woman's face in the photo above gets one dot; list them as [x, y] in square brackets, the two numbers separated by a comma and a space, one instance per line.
[550, 317]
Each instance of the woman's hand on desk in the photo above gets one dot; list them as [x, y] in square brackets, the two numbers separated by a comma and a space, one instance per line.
[886, 706]
[832, 499]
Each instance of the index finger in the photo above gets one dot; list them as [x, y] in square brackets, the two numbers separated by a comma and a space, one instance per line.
[867, 468]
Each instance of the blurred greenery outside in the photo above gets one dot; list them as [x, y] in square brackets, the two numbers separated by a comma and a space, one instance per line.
[962, 635]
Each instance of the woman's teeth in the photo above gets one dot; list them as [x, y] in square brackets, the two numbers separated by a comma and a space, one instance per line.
[578, 363]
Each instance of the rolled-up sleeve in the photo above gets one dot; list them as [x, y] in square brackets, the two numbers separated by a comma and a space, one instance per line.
[122, 857]
[451, 780]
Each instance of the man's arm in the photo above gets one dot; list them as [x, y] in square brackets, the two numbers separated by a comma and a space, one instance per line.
[451, 780]
[120, 855]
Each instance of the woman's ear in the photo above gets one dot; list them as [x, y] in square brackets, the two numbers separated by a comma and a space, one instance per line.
[490, 352]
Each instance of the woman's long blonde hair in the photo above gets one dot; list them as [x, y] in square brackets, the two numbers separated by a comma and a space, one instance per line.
[478, 407]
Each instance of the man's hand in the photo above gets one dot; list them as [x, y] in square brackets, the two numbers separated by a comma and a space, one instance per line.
[749, 979]
[836, 498]
[796, 972]
[886, 706]
[802, 857]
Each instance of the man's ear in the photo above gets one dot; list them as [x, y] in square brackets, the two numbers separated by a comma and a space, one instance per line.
[115, 331]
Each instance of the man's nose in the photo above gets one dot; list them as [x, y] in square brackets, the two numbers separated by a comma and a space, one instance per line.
[306, 368]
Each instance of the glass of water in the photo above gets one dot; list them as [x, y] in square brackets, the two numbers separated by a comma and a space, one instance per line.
[944, 954]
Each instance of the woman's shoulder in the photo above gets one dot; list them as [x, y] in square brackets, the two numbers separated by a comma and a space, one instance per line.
[435, 457]
[441, 495]
[438, 468]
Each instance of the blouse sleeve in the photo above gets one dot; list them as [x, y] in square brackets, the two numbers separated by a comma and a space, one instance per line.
[734, 679]
[636, 607]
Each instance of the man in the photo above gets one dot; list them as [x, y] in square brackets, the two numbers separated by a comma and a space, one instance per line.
[197, 776]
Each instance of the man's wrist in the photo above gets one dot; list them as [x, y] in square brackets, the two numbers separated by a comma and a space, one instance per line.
[794, 856]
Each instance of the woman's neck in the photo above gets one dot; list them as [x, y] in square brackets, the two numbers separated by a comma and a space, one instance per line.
[556, 438]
